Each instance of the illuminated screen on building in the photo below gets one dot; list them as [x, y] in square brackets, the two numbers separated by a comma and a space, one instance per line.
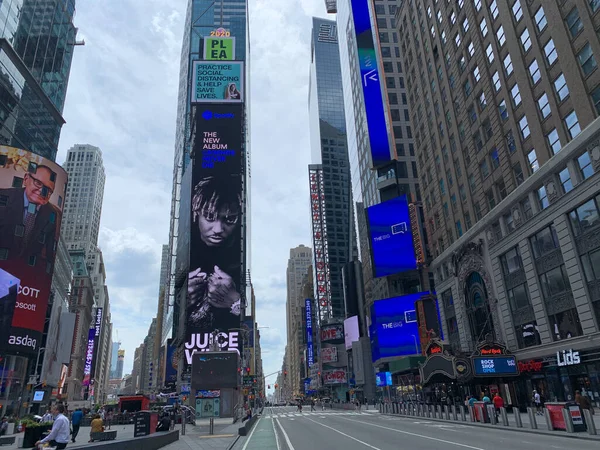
[32, 195]
[310, 357]
[215, 370]
[215, 280]
[394, 327]
[391, 237]
[372, 90]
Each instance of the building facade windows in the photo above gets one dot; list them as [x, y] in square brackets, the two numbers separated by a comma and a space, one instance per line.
[561, 88]
[544, 105]
[534, 72]
[585, 166]
[586, 59]
[554, 141]
[540, 19]
[572, 124]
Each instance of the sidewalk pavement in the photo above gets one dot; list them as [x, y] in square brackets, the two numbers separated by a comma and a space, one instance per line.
[197, 437]
[542, 426]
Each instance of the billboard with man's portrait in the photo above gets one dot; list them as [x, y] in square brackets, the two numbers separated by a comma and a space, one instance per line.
[216, 282]
[32, 193]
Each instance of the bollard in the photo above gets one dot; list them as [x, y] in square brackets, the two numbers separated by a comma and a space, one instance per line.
[532, 421]
[568, 421]
[548, 419]
[454, 416]
[421, 410]
[504, 416]
[492, 414]
[428, 411]
[439, 411]
[463, 415]
[446, 412]
[183, 424]
[518, 419]
[211, 427]
[472, 413]
[589, 421]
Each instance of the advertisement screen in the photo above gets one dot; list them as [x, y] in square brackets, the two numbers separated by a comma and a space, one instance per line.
[215, 370]
[391, 237]
[215, 280]
[310, 357]
[329, 355]
[383, 379]
[32, 193]
[38, 396]
[332, 333]
[217, 82]
[497, 366]
[351, 331]
[372, 90]
[171, 366]
[9, 287]
[219, 48]
[337, 376]
[89, 358]
[394, 328]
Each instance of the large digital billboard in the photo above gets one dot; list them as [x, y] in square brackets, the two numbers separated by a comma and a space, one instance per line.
[32, 194]
[216, 280]
[215, 370]
[310, 358]
[371, 82]
[394, 327]
[217, 82]
[351, 331]
[89, 358]
[496, 366]
[391, 237]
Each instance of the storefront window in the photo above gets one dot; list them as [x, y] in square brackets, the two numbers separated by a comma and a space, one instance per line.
[528, 335]
[585, 217]
[544, 241]
[565, 325]
[554, 282]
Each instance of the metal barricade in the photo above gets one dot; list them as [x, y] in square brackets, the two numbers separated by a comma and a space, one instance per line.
[568, 422]
[504, 416]
[532, 420]
[589, 421]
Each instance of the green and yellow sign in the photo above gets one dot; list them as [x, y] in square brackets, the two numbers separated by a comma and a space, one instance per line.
[219, 48]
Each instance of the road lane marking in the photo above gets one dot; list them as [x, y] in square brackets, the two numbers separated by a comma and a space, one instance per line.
[276, 437]
[251, 434]
[344, 434]
[418, 435]
[287, 439]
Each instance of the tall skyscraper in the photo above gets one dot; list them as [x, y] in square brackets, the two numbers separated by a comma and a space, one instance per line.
[37, 38]
[299, 264]
[374, 182]
[227, 18]
[330, 157]
[504, 100]
[85, 193]
[113, 359]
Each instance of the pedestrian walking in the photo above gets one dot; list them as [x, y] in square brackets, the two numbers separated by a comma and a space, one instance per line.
[59, 435]
[76, 423]
[537, 401]
[584, 402]
[498, 403]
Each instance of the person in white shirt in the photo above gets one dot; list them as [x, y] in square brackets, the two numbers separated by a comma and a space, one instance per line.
[47, 417]
[61, 430]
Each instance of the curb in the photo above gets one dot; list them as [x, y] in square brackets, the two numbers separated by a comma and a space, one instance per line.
[237, 438]
[585, 437]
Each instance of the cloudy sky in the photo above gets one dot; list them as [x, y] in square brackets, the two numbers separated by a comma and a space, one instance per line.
[122, 98]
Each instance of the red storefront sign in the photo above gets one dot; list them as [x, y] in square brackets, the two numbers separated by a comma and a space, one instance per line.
[533, 365]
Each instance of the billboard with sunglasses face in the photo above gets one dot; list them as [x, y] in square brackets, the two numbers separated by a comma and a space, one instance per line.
[32, 193]
[215, 280]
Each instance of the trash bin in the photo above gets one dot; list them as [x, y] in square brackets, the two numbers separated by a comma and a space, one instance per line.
[556, 416]
[576, 416]
[481, 412]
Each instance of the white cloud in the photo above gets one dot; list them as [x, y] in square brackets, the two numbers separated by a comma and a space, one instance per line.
[122, 98]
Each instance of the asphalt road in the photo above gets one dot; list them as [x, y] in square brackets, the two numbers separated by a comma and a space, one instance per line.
[284, 428]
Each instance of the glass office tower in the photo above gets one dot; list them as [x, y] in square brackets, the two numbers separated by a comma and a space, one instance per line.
[330, 150]
[37, 38]
[202, 17]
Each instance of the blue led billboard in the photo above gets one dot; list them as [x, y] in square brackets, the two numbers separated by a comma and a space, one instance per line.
[495, 366]
[310, 359]
[394, 327]
[391, 237]
[372, 90]
[383, 379]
